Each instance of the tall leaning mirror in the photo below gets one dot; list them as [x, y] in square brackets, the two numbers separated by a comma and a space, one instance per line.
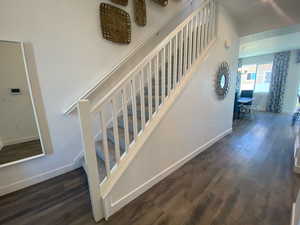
[19, 128]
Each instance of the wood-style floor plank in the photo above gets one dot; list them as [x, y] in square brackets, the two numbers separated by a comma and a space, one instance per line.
[245, 179]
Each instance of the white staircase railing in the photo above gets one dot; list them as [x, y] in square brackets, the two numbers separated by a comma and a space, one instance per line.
[127, 110]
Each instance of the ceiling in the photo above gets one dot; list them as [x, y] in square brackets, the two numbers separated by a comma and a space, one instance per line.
[253, 16]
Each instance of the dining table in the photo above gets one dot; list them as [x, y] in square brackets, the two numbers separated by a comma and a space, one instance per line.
[245, 100]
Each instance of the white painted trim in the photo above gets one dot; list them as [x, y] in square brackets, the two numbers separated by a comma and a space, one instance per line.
[13, 141]
[293, 222]
[40, 177]
[38, 111]
[115, 206]
[22, 160]
[37, 104]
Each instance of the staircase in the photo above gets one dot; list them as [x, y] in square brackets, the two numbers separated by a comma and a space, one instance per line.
[144, 101]
[130, 111]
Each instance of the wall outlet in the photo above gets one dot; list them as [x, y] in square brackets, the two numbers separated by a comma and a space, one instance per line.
[15, 91]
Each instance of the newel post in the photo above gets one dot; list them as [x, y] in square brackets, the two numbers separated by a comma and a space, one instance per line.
[90, 157]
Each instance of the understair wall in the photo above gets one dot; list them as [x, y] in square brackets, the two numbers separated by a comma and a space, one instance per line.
[195, 120]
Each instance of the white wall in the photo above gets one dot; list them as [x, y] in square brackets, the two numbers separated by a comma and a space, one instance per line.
[292, 82]
[66, 53]
[17, 122]
[196, 118]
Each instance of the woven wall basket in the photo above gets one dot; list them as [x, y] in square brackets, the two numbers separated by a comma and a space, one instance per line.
[115, 24]
[163, 3]
[120, 2]
[140, 13]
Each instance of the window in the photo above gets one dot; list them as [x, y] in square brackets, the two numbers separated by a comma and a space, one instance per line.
[251, 76]
[248, 77]
[264, 73]
[256, 77]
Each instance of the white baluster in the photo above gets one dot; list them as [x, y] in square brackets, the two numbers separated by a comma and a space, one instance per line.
[206, 25]
[175, 65]
[116, 130]
[207, 22]
[180, 61]
[201, 32]
[190, 44]
[125, 118]
[210, 22]
[198, 35]
[105, 144]
[149, 75]
[195, 38]
[142, 95]
[133, 103]
[185, 56]
[156, 82]
[214, 19]
[163, 73]
[204, 29]
[169, 67]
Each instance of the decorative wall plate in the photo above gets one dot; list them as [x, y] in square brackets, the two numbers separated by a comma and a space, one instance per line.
[120, 2]
[222, 80]
[163, 3]
[115, 24]
[140, 13]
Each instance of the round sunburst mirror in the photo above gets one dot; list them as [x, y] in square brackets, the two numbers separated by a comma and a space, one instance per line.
[222, 80]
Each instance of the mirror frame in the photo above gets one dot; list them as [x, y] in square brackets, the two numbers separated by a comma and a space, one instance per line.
[37, 103]
[223, 71]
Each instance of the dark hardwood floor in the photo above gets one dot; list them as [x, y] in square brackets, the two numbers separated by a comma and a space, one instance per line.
[20, 151]
[245, 179]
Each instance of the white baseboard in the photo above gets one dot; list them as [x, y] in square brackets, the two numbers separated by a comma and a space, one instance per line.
[293, 222]
[40, 177]
[113, 207]
[13, 141]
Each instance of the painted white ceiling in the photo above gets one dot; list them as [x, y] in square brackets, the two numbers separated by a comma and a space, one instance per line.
[253, 16]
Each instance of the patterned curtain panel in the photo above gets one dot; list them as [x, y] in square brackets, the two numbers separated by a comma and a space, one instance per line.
[278, 81]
